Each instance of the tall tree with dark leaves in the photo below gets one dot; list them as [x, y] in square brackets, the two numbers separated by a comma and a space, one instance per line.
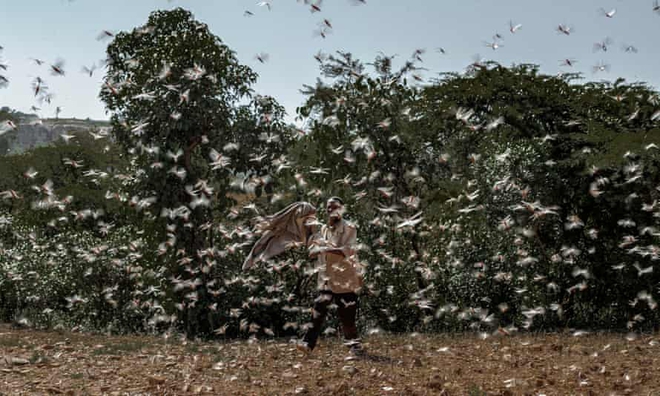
[178, 96]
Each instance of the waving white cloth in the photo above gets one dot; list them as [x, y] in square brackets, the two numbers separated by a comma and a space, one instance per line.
[280, 231]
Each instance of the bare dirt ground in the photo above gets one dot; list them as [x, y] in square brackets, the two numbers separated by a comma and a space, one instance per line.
[36, 363]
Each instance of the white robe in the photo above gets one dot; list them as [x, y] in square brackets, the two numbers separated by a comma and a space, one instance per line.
[339, 273]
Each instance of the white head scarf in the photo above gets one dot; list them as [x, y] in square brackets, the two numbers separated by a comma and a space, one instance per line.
[280, 230]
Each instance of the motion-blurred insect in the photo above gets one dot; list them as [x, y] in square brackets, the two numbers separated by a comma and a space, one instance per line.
[513, 28]
[609, 14]
[601, 67]
[602, 45]
[89, 70]
[57, 68]
[565, 29]
[104, 35]
[568, 62]
[262, 57]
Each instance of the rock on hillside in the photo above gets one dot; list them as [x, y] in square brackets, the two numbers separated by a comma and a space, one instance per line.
[41, 132]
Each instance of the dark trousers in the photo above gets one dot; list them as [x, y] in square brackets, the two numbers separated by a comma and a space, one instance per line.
[347, 304]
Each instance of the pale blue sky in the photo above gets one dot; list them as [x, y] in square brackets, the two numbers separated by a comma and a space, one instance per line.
[51, 29]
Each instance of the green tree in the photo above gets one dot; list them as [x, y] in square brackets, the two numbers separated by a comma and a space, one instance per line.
[536, 152]
[500, 160]
[182, 108]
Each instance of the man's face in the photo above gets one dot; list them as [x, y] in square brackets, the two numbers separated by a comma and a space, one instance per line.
[333, 208]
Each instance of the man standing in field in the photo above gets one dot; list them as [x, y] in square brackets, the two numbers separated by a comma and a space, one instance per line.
[339, 277]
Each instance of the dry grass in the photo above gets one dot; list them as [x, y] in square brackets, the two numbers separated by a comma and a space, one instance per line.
[33, 362]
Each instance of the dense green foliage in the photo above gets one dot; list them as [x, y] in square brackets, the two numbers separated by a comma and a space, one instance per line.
[180, 98]
[496, 199]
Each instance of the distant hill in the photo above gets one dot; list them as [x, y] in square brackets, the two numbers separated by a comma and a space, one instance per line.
[35, 132]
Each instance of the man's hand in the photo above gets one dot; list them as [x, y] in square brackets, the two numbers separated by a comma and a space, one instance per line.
[315, 251]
